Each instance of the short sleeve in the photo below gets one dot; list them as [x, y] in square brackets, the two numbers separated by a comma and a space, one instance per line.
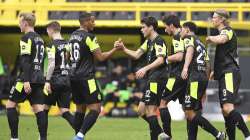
[160, 49]
[188, 41]
[92, 43]
[178, 45]
[227, 32]
[51, 51]
[25, 45]
[144, 46]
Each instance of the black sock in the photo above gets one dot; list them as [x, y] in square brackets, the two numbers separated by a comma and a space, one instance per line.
[192, 130]
[144, 117]
[236, 118]
[46, 112]
[89, 121]
[42, 123]
[166, 121]
[205, 124]
[78, 121]
[13, 119]
[230, 128]
[155, 128]
[69, 117]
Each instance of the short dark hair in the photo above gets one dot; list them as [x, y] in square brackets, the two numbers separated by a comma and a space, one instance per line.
[150, 21]
[172, 19]
[191, 26]
[54, 25]
[84, 17]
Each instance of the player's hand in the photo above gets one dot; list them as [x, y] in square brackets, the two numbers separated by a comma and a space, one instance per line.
[27, 88]
[211, 77]
[140, 73]
[184, 74]
[48, 87]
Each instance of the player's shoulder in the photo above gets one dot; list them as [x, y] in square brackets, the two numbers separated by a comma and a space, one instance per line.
[159, 40]
[226, 30]
[32, 36]
[177, 36]
[188, 40]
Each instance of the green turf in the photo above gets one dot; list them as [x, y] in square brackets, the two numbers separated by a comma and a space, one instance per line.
[105, 129]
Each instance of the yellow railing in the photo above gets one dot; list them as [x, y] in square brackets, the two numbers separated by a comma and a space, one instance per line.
[9, 12]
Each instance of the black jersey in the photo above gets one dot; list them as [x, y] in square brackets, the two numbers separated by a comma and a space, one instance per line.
[58, 50]
[154, 49]
[226, 55]
[177, 46]
[32, 58]
[197, 68]
[82, 45]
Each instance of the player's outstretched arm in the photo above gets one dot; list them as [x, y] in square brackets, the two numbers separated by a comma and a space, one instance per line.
[224, 36]
[102, 56]
[188, 60]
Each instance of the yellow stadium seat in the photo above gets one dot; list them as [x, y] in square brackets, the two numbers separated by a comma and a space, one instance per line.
[8, 15]
[59, 1]
[43, 1]
[12, 1]
[28, 1]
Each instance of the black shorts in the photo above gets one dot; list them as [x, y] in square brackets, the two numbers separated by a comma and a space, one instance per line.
[85, 91]
[60, 86]
[229, 85]
[18, 95]
[194, 94]
[153, 92]
[175, 89]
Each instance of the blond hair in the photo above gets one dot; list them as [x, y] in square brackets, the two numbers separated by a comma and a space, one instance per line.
[224, 15]
[30, 18]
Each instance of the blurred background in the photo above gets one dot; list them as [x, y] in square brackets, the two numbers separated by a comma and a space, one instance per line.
[121, 19]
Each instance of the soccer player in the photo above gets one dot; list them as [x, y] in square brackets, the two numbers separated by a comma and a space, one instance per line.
[227, 72]
[155, 72]
[57, 78]
[30, 82]
[195, 71]
[176, 86]
[84, 49]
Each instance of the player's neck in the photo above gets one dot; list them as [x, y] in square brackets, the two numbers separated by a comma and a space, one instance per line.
[57, 36]
[29, 29]
[191, 33]
[221, 26]
[153, 36]
[83, 28]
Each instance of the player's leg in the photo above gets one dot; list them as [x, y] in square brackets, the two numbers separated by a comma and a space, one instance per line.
[37, 101]
[165, 117]
[142, 110]
[193, 102]
[228, 89]
[17, 95]
[13, 118]
[79, 117]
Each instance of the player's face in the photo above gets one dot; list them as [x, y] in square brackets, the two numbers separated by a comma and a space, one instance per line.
[22, 24]
[50, 32]
[184, 32]
[168, 29]
[91, 23]
[216, 20]
[146, 30]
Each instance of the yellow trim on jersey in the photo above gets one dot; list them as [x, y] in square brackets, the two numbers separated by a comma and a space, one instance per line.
[229, 82]
[25, 48]
[19, 86]
[170, 84]
[178, 45]
[92, 85]
[188, 42]
[194, 90]
[160, 50]
[153, 87]
[51, 51]
[228, 33]
[92, 44]
[144, 46]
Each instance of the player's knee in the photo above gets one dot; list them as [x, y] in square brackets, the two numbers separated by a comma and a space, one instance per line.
[190, 115]
[227, 108]
[37, 108]
[10, 104]
[163, 104]
[63, 110]
[95, 107]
